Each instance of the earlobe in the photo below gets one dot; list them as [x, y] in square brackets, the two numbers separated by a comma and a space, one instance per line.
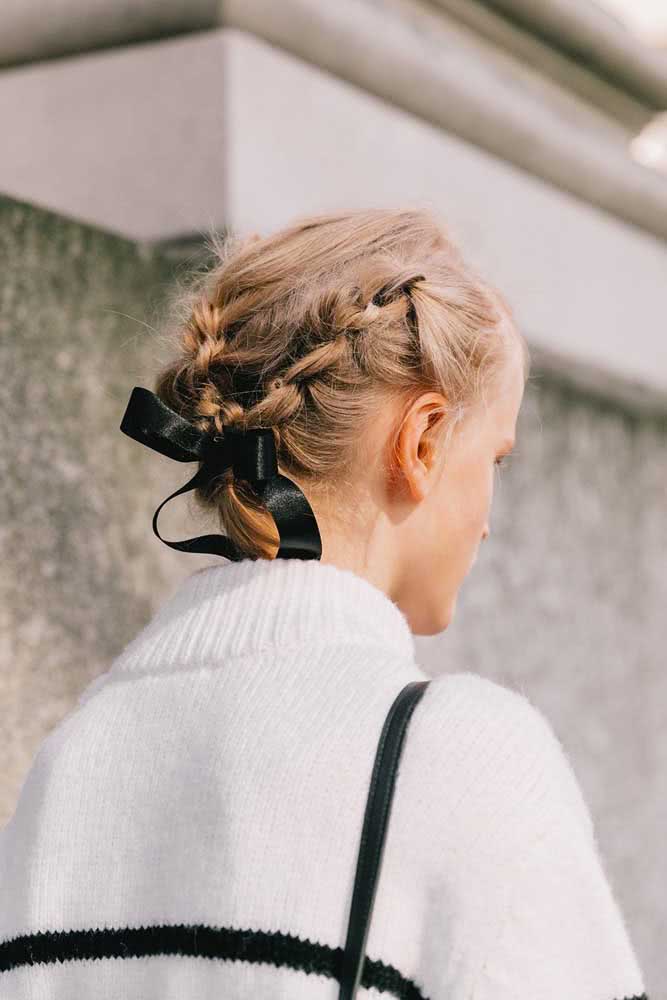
[417, 485]
[409, 470]
[417, 468]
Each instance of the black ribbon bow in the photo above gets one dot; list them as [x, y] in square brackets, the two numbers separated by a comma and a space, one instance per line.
[251, 454]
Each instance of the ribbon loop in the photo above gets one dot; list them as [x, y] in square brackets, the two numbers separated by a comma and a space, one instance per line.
[151, 422]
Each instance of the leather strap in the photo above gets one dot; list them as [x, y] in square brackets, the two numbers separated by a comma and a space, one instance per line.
[373, 834]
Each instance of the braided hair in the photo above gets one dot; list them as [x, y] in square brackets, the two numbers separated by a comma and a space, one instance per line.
[311, 330]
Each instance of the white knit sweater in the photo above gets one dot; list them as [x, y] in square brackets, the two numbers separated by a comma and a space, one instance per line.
[190, 830]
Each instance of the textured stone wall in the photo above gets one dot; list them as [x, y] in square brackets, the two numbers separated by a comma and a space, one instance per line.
[81, 568]
[566, 601]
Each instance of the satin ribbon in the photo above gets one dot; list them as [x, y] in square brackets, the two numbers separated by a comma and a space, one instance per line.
[251, 454]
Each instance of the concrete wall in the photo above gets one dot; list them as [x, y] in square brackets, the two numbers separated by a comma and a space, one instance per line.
[81, 568]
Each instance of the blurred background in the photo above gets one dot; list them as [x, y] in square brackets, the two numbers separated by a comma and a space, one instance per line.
[537, 130]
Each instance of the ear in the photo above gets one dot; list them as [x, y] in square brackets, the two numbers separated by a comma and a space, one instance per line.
[415, 450]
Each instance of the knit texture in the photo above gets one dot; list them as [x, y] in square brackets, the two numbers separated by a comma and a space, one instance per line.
[190, 829]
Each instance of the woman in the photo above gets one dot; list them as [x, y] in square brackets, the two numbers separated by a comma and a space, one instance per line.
[192, 829]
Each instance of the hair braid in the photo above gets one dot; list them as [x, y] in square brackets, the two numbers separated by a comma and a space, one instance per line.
[308, 331]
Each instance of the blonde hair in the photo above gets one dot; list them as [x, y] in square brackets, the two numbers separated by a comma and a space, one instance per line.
[311, 330]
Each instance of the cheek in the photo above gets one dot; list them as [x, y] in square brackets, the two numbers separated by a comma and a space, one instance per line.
[478, 502]
[478, 496]
[464, 509]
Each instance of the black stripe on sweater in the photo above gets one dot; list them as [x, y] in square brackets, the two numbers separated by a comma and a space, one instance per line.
[199, 941]
[202, 941]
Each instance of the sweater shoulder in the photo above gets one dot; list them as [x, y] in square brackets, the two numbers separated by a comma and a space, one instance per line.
[504, 753]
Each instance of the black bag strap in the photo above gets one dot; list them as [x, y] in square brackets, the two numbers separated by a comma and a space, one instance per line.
[376, 818]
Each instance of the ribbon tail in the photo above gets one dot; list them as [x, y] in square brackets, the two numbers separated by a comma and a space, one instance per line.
[294, 518]
[216, 545]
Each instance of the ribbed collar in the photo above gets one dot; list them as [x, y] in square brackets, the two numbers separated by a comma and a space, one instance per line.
[246, 607]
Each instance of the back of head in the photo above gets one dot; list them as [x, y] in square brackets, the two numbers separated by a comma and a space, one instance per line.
[310, 331]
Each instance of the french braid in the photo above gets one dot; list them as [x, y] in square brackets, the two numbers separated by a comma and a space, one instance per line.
[308, 331]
